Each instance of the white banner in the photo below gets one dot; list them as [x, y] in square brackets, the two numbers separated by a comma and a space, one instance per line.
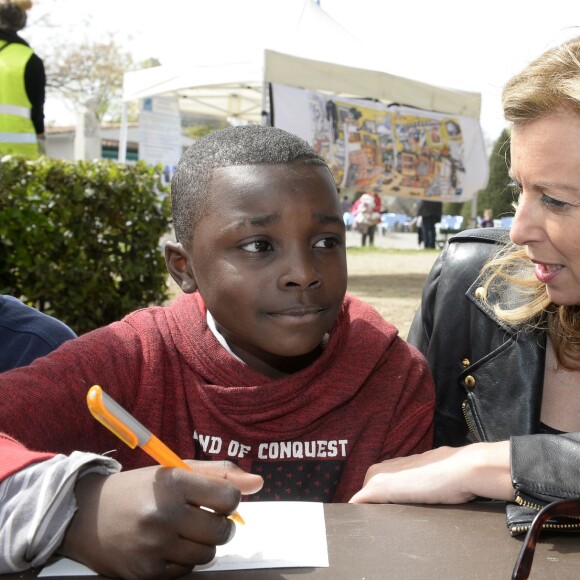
[160, 133]
[392, 150]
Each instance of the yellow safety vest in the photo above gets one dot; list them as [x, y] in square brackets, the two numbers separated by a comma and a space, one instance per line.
[17, 133]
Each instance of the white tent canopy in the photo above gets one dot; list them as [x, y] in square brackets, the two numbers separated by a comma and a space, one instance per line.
[316, 53]
[348, 81]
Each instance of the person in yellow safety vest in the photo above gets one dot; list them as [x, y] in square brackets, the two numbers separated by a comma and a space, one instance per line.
[22, 85]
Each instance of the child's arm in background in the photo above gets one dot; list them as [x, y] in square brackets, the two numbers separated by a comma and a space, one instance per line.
[38, 502]
[124, 524]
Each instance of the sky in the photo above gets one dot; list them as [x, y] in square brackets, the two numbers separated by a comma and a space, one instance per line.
[473, 46]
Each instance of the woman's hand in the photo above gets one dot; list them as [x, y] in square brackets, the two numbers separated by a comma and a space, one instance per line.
[148, 523]
[446, 475]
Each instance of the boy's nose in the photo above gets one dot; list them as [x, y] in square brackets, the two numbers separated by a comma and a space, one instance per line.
[300, 271]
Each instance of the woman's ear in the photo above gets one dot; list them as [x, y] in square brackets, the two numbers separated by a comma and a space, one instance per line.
[179, 267]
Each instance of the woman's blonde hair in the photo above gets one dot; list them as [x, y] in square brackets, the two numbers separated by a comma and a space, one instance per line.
[549, 84]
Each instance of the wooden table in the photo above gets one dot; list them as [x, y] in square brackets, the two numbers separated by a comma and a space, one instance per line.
[407, 542]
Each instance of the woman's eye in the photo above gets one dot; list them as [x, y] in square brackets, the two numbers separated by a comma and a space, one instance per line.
[515, 187]
[545, 200]
[328, 243]
[550, 201]
[257, 246]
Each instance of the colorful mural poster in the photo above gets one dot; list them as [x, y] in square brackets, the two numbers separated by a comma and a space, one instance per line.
[392, 150]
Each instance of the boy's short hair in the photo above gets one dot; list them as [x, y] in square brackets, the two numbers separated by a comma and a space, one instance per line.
[241, 145]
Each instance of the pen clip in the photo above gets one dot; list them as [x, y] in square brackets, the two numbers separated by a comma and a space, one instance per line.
[109, 413]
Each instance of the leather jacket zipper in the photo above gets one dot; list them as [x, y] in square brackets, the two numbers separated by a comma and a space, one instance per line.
[519, 499]
[522, 528]
[469, 422]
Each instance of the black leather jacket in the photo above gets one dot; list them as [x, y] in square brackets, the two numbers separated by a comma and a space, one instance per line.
[489, 376]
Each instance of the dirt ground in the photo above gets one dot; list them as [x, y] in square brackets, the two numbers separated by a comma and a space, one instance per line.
[391, 281]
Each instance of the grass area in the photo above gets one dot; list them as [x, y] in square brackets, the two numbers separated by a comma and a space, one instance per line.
[377, 250]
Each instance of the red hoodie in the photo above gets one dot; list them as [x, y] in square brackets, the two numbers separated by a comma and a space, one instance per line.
[311, 435]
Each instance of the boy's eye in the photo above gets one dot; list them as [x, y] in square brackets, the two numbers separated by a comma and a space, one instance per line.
[257, 246]
[331, 242]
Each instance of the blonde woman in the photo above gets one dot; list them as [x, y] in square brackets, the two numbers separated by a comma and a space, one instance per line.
[500, 324]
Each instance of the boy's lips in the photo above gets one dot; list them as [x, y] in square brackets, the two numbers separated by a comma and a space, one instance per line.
[298, 311]
[298, 314]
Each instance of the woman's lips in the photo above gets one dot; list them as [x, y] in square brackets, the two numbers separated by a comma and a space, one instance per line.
[545, 273]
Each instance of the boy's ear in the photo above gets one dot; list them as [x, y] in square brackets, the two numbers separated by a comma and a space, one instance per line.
[179, 267]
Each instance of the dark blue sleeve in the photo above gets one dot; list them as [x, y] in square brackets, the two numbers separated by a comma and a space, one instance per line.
[26, 333]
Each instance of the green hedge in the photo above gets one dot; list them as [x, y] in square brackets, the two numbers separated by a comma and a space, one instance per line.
[81, 240]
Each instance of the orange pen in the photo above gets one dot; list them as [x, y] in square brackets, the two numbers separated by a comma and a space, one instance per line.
[109, 413]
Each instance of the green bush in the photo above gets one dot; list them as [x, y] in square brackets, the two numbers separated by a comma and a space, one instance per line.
[80, 240]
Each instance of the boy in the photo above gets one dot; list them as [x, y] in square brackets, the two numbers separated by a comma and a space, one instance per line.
[262, 361]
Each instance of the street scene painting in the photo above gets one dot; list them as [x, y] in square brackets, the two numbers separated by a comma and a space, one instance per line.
[392, 150]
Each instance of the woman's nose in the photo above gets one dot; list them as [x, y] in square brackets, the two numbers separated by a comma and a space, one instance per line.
[527, 225]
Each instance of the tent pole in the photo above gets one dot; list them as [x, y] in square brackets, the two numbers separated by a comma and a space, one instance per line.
[122, 154]
[265, 114]
[473, 212]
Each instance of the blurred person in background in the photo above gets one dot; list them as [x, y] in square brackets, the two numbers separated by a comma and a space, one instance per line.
[345, 204]
[366, 218]
[487, 221]
[22, 85]
[430, 214]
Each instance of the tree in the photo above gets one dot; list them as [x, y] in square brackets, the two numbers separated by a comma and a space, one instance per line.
[199, 131]
[89, 70]
[497, 195]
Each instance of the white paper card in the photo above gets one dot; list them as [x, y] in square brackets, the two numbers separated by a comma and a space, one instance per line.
[276, 535]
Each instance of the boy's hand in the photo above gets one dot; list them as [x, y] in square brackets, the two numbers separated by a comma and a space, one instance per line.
[147, 523]
[446, 475]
